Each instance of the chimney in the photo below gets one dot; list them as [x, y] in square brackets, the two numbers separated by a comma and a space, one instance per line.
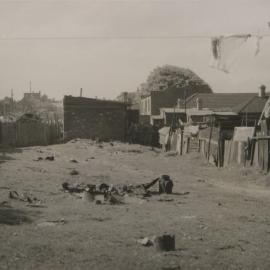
[199, 103]
[81, 92]
[262, 91]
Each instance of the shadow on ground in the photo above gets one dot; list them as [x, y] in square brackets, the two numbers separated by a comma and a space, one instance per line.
[8, 150]
[4, 158]
[11, 216]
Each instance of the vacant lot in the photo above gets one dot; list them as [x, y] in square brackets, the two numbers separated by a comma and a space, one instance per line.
[220, 217]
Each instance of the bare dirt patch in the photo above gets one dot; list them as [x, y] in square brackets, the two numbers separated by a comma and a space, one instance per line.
[220, 217]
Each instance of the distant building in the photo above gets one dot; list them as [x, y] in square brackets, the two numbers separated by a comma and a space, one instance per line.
[32, 95]
[247, 106]
[7, 106]
[151, 104]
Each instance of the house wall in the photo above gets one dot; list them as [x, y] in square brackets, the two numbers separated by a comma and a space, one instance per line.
[146, 108]
[91, 118]
[169, 117]
[169, 97]
[249, 119]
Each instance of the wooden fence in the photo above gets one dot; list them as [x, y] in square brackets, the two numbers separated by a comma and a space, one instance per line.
[211, 145]
[30, 133]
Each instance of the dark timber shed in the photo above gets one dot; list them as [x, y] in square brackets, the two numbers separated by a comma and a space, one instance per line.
[90, 118]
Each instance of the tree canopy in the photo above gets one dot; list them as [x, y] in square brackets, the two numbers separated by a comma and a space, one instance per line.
[162, 78]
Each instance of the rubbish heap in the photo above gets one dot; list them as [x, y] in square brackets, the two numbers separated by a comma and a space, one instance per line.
[115, 194]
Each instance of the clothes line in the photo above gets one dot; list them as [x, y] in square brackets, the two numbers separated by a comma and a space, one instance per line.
[120, 37]
[224, 48]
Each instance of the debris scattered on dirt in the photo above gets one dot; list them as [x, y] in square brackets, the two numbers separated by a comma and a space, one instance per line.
[76, 188]
[99, 219]
[146, 242]
[37, 205]
[165, 242]
[21, 197]
[88, 196]
[90, 158]
[50, 158]
[201, 180]
[171, 154]
[52, 223]
[226, 247]
[114, 198]
[24, 197]
[4, 187]
[165, 184]
[74, 172]
[182, 193]
[119, 194]
[38, 159]
[5, 204]
[165, 200]
[74, 161]
[136, 151]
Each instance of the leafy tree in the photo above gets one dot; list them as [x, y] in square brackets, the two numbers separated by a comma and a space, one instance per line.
[162, 78]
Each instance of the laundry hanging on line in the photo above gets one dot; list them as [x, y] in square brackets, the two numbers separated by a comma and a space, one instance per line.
[224, 50]
[267, 109]
[258, 44]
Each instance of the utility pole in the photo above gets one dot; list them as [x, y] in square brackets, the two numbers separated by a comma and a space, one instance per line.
[81, 92]
[30, 86]
[12, 101]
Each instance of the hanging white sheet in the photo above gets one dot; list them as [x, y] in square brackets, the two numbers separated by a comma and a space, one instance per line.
[225, 49]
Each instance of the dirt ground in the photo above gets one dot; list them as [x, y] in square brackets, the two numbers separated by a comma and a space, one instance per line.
[220, 217]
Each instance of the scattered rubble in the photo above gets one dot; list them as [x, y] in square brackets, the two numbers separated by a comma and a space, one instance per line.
[74, 172]
[38, 159]
[119, 194]
[52, 223]
[24, 197]
[146, 241]
[165, 242]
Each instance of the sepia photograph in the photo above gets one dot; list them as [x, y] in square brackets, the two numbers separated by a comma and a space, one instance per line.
[134, 134]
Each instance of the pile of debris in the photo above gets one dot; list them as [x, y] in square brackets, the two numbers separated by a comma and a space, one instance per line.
[27, 198]
[117, 194]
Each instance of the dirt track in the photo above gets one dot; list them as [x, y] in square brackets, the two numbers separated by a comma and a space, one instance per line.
[222, 223]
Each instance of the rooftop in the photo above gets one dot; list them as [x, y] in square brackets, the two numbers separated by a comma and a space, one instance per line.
[234, 102]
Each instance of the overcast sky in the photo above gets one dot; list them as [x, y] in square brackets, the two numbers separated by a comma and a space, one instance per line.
[105, 67]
